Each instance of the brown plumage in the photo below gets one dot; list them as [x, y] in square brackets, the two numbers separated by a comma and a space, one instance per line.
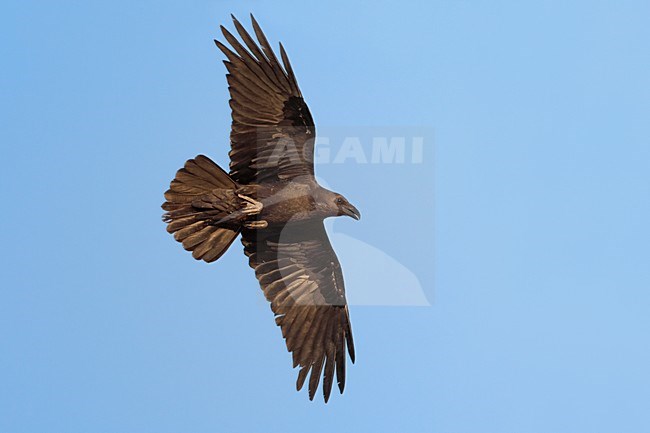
[272, 198]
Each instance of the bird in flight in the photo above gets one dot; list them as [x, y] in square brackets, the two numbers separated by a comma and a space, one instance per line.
[271, 197]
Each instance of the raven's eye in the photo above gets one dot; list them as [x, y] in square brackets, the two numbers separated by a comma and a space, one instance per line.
[339, 200]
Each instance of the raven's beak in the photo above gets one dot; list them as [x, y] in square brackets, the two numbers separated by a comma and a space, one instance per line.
[352, 211]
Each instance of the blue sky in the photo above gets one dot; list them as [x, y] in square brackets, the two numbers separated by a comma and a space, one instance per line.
[525, 226]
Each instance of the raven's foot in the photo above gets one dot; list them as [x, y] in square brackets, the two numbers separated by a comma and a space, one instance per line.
[251, 207]
[256, 224]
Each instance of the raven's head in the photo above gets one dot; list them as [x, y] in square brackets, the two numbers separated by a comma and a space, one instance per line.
[343, 207]
[329, 204]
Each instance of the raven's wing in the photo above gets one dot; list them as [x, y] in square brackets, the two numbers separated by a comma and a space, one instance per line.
[273, 133]
[301, 277]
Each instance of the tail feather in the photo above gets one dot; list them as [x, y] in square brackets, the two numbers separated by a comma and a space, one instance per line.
[194, 226]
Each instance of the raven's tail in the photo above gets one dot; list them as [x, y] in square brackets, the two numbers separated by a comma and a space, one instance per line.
[198, 199]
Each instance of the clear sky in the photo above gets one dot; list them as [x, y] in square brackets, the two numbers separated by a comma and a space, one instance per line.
[520, 240]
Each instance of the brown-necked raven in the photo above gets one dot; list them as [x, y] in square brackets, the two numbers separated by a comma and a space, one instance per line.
[272, 198]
